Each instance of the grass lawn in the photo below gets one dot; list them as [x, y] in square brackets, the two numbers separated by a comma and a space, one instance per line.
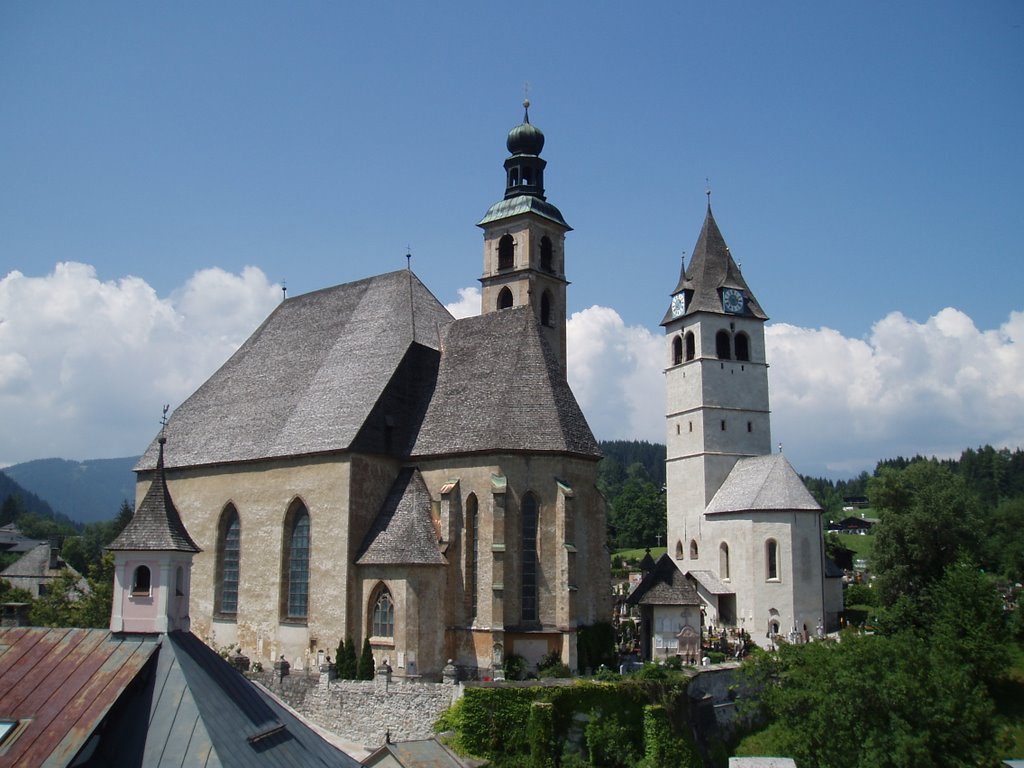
[861, 545]
[637, 554]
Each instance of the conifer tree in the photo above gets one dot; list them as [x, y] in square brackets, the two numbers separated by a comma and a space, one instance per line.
[345, 663]
[366, 669]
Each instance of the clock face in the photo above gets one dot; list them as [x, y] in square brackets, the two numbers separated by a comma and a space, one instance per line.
[732, 301]
[678, 305]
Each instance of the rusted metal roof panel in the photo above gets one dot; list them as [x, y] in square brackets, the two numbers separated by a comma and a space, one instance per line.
[63, 681]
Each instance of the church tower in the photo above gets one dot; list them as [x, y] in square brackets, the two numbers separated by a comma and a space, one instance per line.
[717, 389]
[524, 240]
[153, 564]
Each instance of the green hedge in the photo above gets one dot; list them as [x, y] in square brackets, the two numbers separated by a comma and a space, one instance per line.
[532, 725]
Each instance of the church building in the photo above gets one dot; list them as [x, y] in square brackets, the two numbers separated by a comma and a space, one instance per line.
[367, 466]
[741, 524]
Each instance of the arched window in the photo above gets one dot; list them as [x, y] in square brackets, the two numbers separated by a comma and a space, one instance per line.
[141, 581]
[229, 538]
[771, 554]
[472, 552]
[722, 345]
[545, 308]
[504, 298]
[679, 550]
[506, 252]
[742, 346]
[382, 622]
[691, 350]
[295, 568]
[545, 254]
[723, 560]
[529, 558]
[693, 549]
[677, 351]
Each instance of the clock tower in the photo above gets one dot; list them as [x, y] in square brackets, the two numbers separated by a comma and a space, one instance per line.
[717, 390]
[524, 241]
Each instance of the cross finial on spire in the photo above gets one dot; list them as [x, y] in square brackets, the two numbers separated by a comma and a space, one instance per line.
[526, 101]
[780, 447]
[408, 257]
[707, 190]
[163, 424]
[284, 290]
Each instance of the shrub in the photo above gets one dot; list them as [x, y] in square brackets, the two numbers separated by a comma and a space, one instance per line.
[552, 666]
[514, 667]
[595, 645]
[610, 742]
[365, 669]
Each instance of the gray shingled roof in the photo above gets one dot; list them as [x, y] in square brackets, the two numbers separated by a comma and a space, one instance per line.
[156, 524]
[309, 376]
[712, 583]
[499, 388]
[515, 206]
[762, 482]
[403, 533]
[665, 585]
[712, 268]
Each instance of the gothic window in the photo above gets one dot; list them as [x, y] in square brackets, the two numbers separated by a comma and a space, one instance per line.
[382, 623]
[229, 537]
[722, 345]
[529, 558]
[677, 351]
[545, 254]
[723, 561]
[506, 252]
[545, 309]
[693, 549]
[742, 346]
[295, 565]
[504, 298]
[679, 550]
[141, 581]
[771, 552]
[472, 552]
[691, 351]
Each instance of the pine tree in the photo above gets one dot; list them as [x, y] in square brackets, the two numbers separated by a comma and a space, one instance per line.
[345, 663]
[366, 669]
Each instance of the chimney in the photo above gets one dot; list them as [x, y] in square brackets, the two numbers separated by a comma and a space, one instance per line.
[54, 553]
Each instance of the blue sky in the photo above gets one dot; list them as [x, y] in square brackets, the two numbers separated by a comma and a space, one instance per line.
[864, 160]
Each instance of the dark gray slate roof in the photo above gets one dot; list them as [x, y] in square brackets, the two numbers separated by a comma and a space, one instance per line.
[499, 388]
[665, 585]
[515, 206]
[307, 379]
[762, 483]
[403, 533]
[711, 268]
[156, 524]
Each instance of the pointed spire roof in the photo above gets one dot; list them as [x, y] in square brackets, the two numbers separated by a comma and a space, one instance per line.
[711, 269]
[156, 525]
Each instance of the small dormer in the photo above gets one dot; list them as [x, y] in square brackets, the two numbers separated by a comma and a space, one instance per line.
[153, 564]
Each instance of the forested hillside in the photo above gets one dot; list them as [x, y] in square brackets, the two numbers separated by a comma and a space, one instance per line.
[14, 500]
[87, 491]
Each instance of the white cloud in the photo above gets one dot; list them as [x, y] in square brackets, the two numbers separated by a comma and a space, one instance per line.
[933, 388]
[615, 371]
[468, 304]
[85, 365]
